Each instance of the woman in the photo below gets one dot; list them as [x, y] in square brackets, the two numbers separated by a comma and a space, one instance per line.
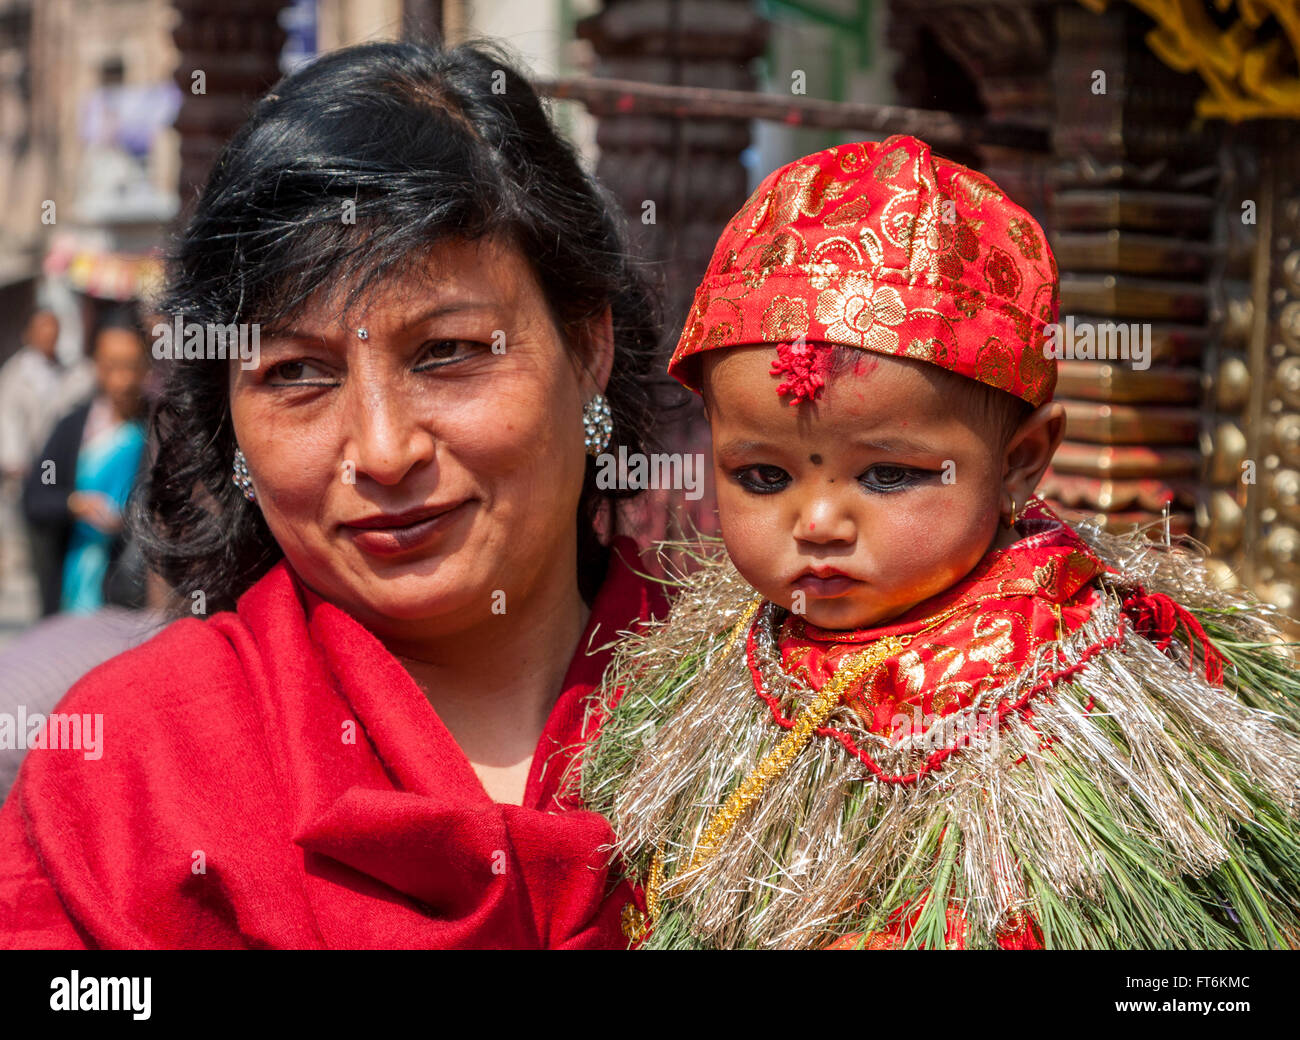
[96, 451]
[394, 512]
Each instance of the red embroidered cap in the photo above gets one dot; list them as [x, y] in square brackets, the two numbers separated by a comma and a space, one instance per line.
[887, 247]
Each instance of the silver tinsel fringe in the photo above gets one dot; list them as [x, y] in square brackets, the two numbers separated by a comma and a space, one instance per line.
[1158, 748]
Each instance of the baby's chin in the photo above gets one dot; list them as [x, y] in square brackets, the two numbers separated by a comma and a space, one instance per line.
[846, 613]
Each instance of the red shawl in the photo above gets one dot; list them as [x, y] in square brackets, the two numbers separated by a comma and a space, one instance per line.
[229, 809]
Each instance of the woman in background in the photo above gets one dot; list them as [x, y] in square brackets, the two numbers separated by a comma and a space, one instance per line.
[96, 451]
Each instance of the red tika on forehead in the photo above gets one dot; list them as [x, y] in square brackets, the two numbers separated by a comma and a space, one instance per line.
[804, 364]
[888, 248]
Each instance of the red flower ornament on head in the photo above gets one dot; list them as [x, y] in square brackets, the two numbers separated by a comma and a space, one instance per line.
[804, 364]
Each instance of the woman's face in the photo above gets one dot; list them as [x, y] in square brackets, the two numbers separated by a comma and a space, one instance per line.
[461, 401]
[121, 367]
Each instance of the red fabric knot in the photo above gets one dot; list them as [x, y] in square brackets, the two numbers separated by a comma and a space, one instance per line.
[1157, 617]
[804, 364]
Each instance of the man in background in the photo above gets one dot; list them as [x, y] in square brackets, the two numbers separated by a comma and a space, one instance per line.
[35, 392]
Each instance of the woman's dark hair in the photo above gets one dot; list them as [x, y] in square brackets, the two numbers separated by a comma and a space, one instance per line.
[427, 144]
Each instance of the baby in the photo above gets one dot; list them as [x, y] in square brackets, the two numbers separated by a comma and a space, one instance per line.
[910, 706]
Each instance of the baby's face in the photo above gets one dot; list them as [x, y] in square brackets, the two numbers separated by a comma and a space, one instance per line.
[875, 497]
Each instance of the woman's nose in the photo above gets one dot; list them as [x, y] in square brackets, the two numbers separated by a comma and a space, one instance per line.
[385, 438]
[824, 519]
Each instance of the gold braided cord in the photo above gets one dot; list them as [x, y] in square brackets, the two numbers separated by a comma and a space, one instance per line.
[742, 626]
[777, 761]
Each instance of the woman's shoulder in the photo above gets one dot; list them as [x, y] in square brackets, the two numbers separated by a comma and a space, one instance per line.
[181, 656]
[193, 673]
[176, 715]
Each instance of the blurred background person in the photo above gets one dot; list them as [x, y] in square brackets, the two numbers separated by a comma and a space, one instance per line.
[29, 388]
[36, 389]
[29, 385]
[74, 495]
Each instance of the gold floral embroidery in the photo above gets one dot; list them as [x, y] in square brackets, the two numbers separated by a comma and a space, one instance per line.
[692, 336]
[803, 191]
[1045, 301]
[968, 301]
[1022, 234]
[850, 213]
[822, 275]
[889, 166]
[1036, 369]
[762, 215]
[838, 250]
[1000, 270]
[976, 187]
[933, 350]
[786, 317]
[718, 333]
[994, 363]
[860, 313]
[851, 157]
[822, 187]
[931, 241]
[781, 251]
[858, 232]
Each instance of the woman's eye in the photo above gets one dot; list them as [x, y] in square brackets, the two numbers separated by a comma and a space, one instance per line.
[295, 372]
[763, 480]
[888, 478]
[444, 350]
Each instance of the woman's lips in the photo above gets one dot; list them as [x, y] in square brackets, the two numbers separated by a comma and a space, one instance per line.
[390, 541]
[827, 586]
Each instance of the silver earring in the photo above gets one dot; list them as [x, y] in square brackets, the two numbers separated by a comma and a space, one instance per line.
[597, 424]
[242, 478]
[363, 333]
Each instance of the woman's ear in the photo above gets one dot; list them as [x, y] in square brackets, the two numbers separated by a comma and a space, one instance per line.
[597, 348]
[1030, 449]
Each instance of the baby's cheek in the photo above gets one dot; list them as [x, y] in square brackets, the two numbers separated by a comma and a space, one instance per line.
[918, 548]
[754, 540]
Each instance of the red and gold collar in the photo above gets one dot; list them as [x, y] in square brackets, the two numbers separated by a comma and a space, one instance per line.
[1015, 600]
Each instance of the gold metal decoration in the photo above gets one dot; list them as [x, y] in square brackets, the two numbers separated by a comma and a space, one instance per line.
[1247, 76]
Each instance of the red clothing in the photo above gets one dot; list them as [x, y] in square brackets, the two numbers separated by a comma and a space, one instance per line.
[228, 808]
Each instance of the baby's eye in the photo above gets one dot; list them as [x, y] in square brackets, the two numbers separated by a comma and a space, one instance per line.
[762, 480]
[884, 477]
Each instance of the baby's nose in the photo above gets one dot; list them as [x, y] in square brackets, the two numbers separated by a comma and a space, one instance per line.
[824, 519]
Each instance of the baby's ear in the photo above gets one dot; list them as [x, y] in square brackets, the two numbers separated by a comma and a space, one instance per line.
[1031, 448]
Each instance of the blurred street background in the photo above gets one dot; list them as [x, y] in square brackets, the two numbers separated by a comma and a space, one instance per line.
[1158, 143]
